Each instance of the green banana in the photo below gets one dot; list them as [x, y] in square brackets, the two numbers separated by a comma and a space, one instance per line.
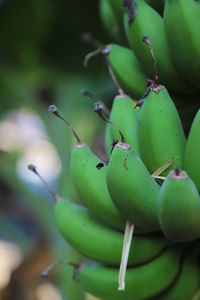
[142, 282]
[182, 26]
[99, 242]
[148, 22]
[95, 240]
[112, 18]
[132, 189]
[192, 151]
[127, 70]
[125, 116]
[188, 281]
[160, 133]
[178, 207]
[90, 184]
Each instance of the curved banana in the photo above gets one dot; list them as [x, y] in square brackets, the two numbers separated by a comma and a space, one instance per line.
[99, 242]
[90, 184]
[178, 207]
[142, 282]
[160, 132]
[187, 283]
[132, 189]
[148, 22]
[182, 27]
[111, 16]
[192, 151]
[95, 240]
[127, 70]
[125, 116]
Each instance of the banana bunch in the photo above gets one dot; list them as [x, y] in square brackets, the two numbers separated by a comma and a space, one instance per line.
[173, 27]
[142, 182]
[151, 180]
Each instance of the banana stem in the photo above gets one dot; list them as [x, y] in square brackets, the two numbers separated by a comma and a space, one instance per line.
[105, 52]
[125, 253]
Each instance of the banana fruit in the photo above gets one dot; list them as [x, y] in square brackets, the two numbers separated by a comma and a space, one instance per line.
[142, 282]
[99, 242]
[109, 19]
[160, 132]
[178, 207]
[148, 22]
[128, 71]
[125, 116]
[132, 189]
[90, 184]
[182, 26]
[192, 151]
[187, 283]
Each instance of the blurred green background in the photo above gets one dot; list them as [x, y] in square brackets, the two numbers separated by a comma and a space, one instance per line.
[41, 63]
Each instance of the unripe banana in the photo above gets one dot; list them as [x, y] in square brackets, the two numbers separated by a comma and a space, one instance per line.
[125, 116]
[182, 27]
[111, 18]
[192, 152]
[99, 242]
[179, 207]
[142, 282]
[160, 133]
[90, 184]
[95, 240]
[148, 22]
[188, 281]
[132, 189]
[128, 70]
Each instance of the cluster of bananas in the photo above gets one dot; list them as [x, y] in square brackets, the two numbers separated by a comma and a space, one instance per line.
[133, 186]
[152, 176]
[173, 28]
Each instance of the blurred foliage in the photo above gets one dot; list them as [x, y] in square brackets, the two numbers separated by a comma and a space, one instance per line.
[41, 63]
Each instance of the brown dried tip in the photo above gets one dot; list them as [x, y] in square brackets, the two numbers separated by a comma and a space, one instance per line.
[178, 174]
[95, 98]
[177, 171]
[46, 272]
[53, 109]
[130, 8]
[32, 168]
[106, 51]
[98, 107]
